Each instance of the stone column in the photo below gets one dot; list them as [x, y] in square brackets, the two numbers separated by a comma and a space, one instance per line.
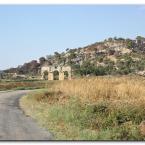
[69, 75]
[50, 76]
[42, 76]
[61, 75]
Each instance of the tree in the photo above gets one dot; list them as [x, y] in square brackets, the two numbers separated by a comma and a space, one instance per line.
[33, 67]
[115, 38]
[139, 39]
[72, 55]
[57, 55]
[48, 57]
[111, 52]
[67, 49]
[121, 39]
[100, 70]
[42, 60]
[87, 68]
[130, 44]
[110, 39]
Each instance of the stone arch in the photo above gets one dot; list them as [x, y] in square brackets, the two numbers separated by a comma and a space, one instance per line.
[45, 75]
[66, 74]
[68, 70]
[43, 70]
[56, 75]
[60, 69]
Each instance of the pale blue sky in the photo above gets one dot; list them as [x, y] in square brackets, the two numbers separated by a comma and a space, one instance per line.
[30, 31]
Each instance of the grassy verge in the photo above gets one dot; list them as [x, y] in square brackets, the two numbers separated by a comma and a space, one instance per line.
[22, 85]
[90, 109]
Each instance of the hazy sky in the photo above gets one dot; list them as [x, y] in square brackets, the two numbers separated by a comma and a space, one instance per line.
[28, 31]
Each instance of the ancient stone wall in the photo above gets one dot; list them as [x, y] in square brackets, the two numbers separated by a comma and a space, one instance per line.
[60, 69]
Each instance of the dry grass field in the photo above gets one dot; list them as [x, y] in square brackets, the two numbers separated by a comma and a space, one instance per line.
[97, 108]
[113, 89]
[21, 85]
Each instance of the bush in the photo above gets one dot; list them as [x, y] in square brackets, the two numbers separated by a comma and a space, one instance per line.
[112, 123]
[97, 108]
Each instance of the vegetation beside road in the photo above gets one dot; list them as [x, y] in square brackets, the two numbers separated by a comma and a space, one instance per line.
[99, 108]
[22, 85]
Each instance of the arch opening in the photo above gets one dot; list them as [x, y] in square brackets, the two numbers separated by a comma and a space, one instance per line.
[66, 74]
[56, 75]
[45, 75]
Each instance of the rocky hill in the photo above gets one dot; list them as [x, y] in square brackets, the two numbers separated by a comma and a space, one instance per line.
[109, 57]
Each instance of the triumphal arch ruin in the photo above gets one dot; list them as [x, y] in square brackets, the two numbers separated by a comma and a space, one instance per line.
[60, 69]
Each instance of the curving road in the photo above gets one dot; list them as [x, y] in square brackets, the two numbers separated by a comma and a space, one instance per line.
[14, 125]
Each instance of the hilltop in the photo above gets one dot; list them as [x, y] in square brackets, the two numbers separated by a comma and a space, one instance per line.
[109, 57]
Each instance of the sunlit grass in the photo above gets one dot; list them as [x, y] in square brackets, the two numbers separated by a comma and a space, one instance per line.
[98, 108]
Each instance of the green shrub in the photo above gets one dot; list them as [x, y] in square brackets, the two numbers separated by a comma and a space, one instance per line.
[102, 120]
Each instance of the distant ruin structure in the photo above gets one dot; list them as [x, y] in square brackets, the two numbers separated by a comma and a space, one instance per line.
[50, 70]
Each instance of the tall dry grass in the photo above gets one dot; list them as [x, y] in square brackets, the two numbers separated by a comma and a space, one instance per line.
[97, 108]
[22, 85]
[99, 88]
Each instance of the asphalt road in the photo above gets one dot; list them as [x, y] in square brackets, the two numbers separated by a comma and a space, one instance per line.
[14, 125]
